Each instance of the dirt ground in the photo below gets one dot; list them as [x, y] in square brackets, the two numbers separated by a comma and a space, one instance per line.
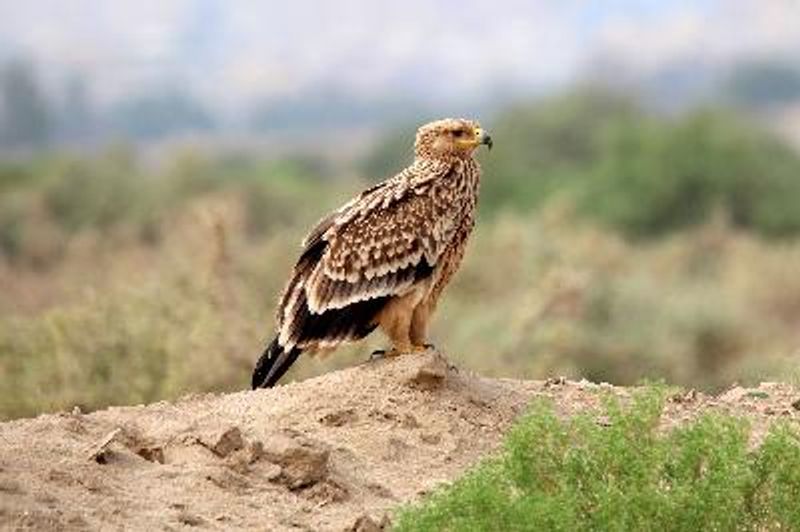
[337, 452]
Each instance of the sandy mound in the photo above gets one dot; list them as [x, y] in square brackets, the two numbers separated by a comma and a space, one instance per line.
[333, 453]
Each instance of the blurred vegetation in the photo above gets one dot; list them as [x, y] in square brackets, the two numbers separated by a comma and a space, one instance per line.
[639, 173]
[763, 84]
[630, 246]
[158, 115]
[624, 474]
[25, 114]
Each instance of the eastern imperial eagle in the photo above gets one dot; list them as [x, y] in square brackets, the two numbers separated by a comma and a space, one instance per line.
[383, 258]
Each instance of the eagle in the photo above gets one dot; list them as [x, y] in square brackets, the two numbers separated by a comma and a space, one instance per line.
[383, 258]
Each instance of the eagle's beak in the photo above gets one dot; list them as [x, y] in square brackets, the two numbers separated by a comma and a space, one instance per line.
[482, 137]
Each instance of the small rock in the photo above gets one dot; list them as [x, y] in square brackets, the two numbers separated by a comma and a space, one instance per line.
[269, 471]
[303, 461]
[327, 492]
[365, 523]
[222, 441]
[431, 374]
[796, 404]
[339, 418]
[99, 452]
[190, 519]
[242, 460]
[152, 454]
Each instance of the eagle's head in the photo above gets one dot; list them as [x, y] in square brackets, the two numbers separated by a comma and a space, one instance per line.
[450, 137]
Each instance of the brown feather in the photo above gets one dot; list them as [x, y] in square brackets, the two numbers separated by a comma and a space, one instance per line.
[379, 246]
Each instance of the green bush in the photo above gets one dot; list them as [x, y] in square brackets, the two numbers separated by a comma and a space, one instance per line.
[131, 346]
[47, 201]
[550, 147]
[659, 176]
[618, 471]
[97, 193]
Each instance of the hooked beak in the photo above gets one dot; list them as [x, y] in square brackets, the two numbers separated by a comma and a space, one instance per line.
[482, 137]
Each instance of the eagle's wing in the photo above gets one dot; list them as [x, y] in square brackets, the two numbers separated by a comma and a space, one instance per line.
[377, 246]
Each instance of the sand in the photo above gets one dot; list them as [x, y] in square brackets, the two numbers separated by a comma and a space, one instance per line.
[337, 452]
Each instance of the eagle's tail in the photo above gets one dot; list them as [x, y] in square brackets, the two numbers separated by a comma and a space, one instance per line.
[274, 362]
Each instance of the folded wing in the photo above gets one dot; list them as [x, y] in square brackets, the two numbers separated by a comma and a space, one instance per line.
[376, 247]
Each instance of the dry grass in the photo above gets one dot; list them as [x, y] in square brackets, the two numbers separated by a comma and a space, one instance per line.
[119, 321]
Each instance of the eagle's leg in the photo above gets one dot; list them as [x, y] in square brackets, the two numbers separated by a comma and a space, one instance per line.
[396, 321]
[419, 326]
[396, 327]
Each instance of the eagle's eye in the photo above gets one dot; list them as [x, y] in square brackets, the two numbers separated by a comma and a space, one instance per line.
[458, 133]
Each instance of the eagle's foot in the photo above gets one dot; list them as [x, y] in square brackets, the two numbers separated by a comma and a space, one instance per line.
[396, 351]
[380, 354]
[418, 349]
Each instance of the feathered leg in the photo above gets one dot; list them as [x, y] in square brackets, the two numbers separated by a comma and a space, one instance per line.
[419, 325]
[396, 319]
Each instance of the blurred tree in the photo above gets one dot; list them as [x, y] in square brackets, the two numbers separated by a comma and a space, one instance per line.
[660, 176]
[98, 193]
[25, 116]
[548, 147]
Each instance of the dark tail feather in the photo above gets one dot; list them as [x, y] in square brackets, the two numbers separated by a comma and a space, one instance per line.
[274, 362]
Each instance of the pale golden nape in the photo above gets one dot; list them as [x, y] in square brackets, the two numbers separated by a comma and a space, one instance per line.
[384, 258]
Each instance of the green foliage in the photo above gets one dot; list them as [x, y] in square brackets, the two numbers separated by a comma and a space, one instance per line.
[618, 471]
[47, 201]
[657, 177]
[701, 307]
[98, 194]
[550, 147]
[150, 340]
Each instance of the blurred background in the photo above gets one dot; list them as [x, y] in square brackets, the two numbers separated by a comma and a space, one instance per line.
[161, 160]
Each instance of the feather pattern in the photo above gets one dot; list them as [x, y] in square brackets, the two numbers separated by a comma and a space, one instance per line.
[379, 246]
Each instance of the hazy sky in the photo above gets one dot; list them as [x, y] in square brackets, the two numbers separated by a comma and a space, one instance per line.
[239, 50]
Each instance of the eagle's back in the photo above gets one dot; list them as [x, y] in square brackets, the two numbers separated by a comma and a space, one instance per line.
[378, 246]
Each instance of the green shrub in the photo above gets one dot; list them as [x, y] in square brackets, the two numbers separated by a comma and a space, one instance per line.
[618, 471]
[95, 193]
[660, 176]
